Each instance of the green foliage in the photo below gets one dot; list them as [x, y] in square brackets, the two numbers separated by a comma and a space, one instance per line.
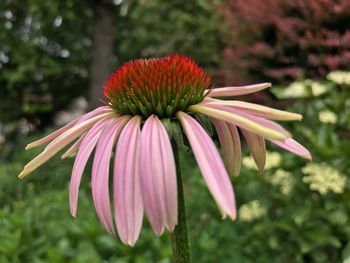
[40, 229]
[302, 226]
[156, 28]
[45, 46]
[46, 49]
[37, 226]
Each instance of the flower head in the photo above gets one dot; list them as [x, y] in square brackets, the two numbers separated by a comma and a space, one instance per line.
[141, 96]
[160, 86]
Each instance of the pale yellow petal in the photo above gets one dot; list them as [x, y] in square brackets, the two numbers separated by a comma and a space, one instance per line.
[259, 110]
[239, 121]
[60, 142]
[73, 148]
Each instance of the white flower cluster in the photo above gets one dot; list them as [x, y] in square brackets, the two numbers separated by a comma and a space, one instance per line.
[283, 180]
[248, 162]
[273, 159]
[251, 211]
[317, 88]
[340, 77]
[324, 178]
[299, 89]
[296, 90]
[327, 116]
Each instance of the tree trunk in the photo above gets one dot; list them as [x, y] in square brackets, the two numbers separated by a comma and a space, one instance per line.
[102, 50]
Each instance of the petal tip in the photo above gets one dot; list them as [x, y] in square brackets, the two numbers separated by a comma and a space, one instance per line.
[29, 146]
[131, 244]
[22, 175]
[232, 215]
[158, 232]
[73, 211]
[261, 171]
[128, 241]
[171, 228]
[308, 156]
[233, 172]
[66, 155]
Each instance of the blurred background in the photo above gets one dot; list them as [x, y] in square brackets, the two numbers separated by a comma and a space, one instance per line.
[54, 58]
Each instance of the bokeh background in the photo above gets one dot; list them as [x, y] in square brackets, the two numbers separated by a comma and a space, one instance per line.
[54, 58]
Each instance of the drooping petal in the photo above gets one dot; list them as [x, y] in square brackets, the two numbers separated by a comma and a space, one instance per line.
[210, 164]
[230, 144]
[60, 142]
[68, 126]
[294, 147]
[246, 121]
[87, 145]
[73, 148]
[256, 119]
[100, 173]
[238, 91]
[158, 176]
[261, 121]
[127, 192]
[256, 145]
[259, 110]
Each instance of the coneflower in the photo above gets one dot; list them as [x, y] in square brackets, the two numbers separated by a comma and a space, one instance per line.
[143, 99]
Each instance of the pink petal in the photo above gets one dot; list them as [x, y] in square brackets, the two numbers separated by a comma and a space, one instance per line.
[230, 144]
[158, 176]
[61, 141]
[127, 193]
[257, 110]
[294, 147]
[98, 111]
[100, 173]
[263, 127]
[57, 133]
[238, 91]
[87, 145]
[259, 120]
[210, 164]
[256, 145]
[74, 147]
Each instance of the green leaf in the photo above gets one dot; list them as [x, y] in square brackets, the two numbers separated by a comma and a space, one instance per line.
[345, 147]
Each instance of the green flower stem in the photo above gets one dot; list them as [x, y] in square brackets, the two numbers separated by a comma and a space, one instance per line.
[180, 243]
